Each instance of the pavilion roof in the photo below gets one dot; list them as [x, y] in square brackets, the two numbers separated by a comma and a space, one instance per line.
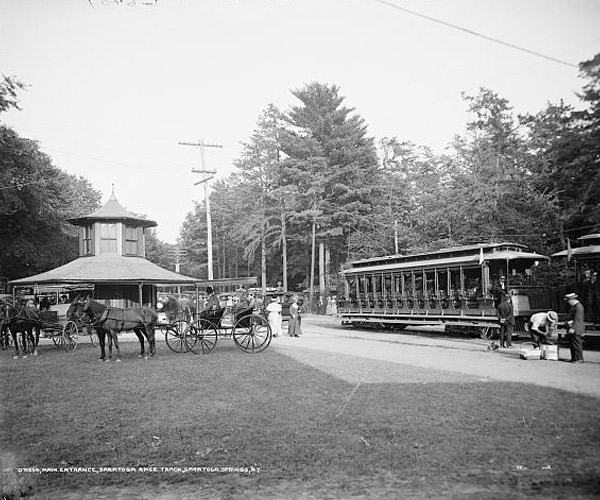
[112, 211]
[108, 269]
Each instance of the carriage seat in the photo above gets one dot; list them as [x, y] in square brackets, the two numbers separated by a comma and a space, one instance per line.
[244, 312]
[212, 315]
[49, 316]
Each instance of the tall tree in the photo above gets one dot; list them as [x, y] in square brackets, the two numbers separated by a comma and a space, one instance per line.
[334, 164]
[498, 196]
[260, 172]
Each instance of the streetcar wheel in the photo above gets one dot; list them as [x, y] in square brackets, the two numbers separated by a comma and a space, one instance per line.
[252, 333]
[70, 336]
[200, 337]
[175, 336]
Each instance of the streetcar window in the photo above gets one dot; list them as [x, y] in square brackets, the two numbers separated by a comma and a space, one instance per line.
[430, 282]
[377, 284]
[442, 281]
[418, 288]
[455, 285]
[388, 284]
[409, 286]
[473, 282]
[362, 284]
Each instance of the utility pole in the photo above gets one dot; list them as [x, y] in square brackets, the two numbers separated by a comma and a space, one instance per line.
[207, 176]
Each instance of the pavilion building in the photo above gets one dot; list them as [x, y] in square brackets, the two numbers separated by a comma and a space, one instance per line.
[112, 261]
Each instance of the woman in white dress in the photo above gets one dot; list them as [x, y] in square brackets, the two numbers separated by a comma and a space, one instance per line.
[274, 316]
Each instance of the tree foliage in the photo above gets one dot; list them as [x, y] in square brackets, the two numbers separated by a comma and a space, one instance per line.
[530, 179]
[36, 198]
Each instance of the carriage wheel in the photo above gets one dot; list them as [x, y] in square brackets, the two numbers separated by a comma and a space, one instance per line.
[252, 333]
[200, 337]
[6, 341]
[175, 336]
[69, 336]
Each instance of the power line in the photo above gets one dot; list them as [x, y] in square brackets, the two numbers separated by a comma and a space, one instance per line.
[139, 167]
[475, 33]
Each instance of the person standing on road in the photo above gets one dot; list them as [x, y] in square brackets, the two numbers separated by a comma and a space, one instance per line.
[507, 321]
[274, 318]
[541, 326]
[575, 327]
[294, 323]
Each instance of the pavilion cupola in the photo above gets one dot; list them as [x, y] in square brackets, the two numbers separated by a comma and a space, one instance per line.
[112, 230]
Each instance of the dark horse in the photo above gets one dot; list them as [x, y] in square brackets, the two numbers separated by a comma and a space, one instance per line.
[25, 320]
[112, 320]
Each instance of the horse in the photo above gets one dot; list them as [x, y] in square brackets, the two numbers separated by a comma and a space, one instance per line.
[112, 320]
[24, 320]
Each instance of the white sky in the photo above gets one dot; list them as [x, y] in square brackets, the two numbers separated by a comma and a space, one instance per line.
[114, 88]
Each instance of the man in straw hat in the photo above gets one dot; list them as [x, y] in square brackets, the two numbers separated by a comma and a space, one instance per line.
[541, 327]
[575, 327]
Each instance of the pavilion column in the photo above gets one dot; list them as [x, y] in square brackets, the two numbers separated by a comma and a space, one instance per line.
[140, 294]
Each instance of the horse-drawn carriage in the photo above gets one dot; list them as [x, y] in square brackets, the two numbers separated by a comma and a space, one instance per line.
[33, 324]
[60, 326]
[198, 332]
[61, 319]
[250, 331]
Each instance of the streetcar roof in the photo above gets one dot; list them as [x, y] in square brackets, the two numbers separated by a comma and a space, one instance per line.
[595, 236]
[587, 251]
[431, 263]
[449, 252]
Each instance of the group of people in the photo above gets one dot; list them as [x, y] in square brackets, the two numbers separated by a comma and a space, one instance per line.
[326, 306]
[542, 325]
[275, 317]
[273, 310]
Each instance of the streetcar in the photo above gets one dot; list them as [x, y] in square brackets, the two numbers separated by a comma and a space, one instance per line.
[447, 288]
[583, 262]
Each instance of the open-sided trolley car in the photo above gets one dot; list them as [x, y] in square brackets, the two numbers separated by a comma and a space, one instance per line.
[450, 288]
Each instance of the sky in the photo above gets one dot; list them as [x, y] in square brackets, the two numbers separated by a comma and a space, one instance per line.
[114, 87]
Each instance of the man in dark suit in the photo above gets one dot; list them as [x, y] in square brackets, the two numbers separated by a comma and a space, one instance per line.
[507, 321]
[575, 327]
[498, 291]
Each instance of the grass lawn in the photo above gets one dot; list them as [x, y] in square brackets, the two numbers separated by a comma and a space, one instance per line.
[297, 431]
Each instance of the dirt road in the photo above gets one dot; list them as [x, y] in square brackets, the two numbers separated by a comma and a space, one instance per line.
[445, 358]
